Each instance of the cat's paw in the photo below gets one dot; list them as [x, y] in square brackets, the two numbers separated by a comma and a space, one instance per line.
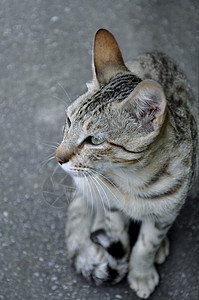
[95, 265]
[116, 252]
[91, 263]
[162, 252]
[87, 258]
[98, 259]
[145, 283]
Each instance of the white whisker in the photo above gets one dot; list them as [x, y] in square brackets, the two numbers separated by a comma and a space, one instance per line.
[85, 179]
[49, 158]
[99, 192]
[107, 185]
[51, 146]
[83, 187]
[91, 195]
[107, 199]
[56, 167]
[64, 91]
[99, 180]
[63, 102]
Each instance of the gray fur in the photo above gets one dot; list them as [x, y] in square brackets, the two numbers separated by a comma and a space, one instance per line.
[143, 170]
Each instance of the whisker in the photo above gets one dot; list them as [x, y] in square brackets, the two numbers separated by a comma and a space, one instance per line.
[49, 158]
[86, 191]
[99, 192]
[90, 171]
[67, 188]
[50, 155]
[56, 167]
[50, 143]
[107, 185]
[96, 202]
[105, 177]
[98, 179]
[51, 146]
[108, 202]
[91, 195]
[65, 92]
[83, 187]
[62, 101]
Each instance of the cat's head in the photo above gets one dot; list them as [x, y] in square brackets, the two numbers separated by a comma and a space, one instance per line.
[114, 123]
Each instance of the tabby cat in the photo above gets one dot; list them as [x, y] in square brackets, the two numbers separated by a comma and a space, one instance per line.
[130, 143]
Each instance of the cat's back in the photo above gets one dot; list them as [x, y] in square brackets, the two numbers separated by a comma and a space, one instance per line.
[161, 68]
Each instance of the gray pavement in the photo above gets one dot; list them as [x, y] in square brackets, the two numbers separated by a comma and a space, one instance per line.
[45, 45]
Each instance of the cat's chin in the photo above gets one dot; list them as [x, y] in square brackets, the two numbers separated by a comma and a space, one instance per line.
[65, 167]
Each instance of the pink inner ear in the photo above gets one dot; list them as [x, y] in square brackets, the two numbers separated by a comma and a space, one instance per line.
[149, 104]
[154, 108]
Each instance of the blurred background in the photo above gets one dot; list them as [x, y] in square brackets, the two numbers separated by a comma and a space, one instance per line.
[45, 61]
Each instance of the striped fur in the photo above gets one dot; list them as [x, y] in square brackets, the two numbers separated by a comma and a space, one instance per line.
[145, 114]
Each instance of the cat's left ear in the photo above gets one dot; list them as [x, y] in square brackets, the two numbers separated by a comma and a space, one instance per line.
[108, 61]
[147, 104]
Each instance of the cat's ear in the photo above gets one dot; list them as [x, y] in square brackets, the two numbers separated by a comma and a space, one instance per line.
[108, 60]
[147, 104]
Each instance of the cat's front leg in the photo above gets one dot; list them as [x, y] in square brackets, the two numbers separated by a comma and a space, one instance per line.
[88, 258]
[97, 242]
[143, 277]
[111, 234]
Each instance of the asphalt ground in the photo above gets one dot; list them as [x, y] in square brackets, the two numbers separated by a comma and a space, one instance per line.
[45, 50]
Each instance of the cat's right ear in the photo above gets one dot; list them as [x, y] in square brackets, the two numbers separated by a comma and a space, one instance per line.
[108, 61]
[147, 104]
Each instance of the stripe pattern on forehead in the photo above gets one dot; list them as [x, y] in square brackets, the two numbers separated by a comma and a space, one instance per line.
[117, 90]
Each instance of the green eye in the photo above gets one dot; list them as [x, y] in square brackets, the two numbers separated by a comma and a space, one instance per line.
[96, 141]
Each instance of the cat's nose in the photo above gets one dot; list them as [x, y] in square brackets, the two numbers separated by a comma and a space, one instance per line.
[62, 154]
[60, 160]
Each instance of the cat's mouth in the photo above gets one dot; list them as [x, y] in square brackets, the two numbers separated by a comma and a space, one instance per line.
[77, 171]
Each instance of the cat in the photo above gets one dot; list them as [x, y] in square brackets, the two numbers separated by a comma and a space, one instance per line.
[130, 143]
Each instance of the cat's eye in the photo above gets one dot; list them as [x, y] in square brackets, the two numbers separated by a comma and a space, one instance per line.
[96, 141]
